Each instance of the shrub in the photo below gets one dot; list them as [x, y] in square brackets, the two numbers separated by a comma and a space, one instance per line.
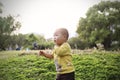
[96, 65]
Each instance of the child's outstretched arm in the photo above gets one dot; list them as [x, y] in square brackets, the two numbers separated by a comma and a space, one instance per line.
[42, 53]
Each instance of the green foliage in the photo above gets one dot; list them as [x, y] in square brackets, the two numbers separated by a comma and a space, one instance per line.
[7, 26]
[30, 39]
[28, 67]
[101, 24]
[1, 7]
[24, 41]
[96, 65]
[77, 43]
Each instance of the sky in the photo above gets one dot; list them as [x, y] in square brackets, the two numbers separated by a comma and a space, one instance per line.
[44, 16]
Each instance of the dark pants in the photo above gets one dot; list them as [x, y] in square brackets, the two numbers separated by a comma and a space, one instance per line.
[67, 76]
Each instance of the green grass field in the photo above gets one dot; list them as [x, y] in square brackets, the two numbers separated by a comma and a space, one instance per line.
[93, 65]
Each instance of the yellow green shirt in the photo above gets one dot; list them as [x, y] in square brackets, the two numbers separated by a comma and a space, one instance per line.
[63, 58]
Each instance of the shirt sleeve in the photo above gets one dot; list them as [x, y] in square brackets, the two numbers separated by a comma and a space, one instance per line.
[63, 50]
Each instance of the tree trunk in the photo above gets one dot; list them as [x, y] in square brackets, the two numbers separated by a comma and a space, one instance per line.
[107, 42]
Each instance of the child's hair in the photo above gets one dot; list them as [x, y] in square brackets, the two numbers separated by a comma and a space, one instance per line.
[65, 32]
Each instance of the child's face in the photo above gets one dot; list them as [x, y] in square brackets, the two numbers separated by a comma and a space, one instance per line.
[59, 38]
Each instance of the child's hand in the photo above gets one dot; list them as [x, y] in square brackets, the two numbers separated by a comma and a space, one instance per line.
[41, 53]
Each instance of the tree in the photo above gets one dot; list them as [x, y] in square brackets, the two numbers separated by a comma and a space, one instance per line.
[102, 24]
[77, 43]
[17, 41]
[1, 7]
[7, 26]
[30, 39]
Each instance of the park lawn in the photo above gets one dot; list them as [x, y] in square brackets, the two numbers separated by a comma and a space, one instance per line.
[94, 65]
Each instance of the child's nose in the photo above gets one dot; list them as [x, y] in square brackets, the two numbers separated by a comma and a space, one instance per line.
[55, 37]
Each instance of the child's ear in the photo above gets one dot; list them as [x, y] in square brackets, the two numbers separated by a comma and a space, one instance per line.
[64, 36]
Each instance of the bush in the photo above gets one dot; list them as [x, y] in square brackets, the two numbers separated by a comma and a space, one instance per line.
[97, 66]
[93, 66]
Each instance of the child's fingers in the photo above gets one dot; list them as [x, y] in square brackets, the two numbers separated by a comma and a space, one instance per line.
[41, 53]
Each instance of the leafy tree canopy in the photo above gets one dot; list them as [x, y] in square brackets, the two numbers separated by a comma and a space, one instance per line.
[1, 7]
[102, 24]
[8, 25]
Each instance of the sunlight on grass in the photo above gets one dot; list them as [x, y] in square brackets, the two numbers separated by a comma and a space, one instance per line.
[12, 54]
